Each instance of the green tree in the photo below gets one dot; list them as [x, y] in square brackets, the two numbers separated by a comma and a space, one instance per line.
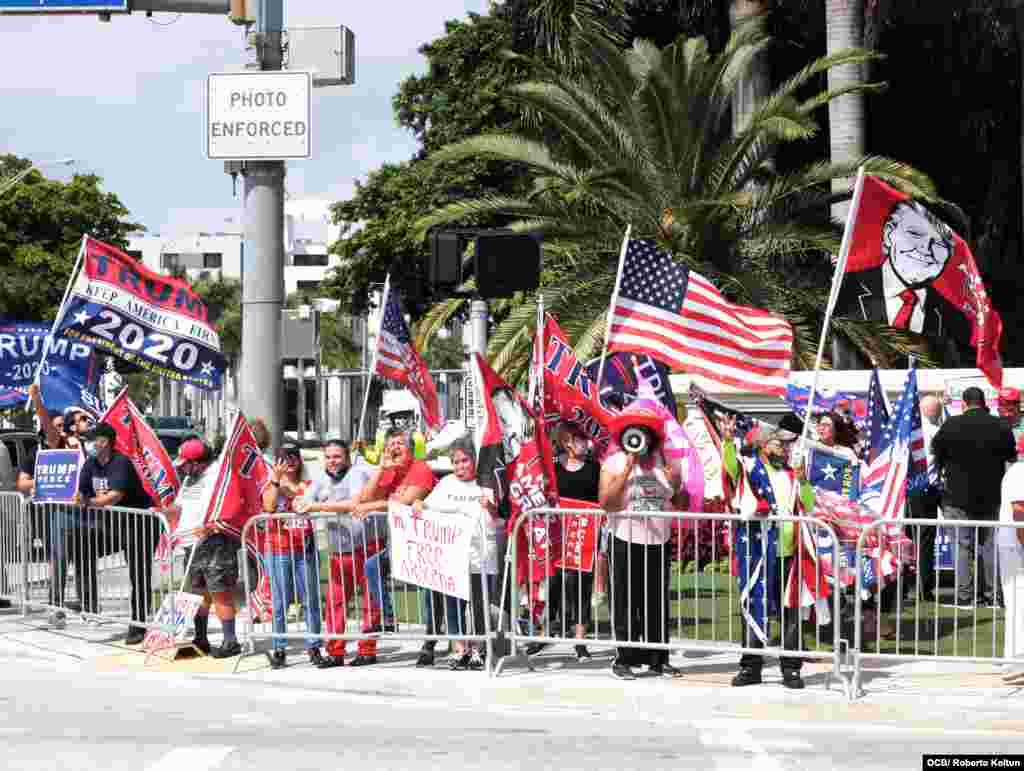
[652, 125]
[41, 226]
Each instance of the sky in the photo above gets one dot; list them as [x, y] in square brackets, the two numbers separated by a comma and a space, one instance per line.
[126, 100]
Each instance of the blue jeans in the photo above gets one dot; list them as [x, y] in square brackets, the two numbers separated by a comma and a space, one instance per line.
[455, 607]
[295, 576]
[377, 569]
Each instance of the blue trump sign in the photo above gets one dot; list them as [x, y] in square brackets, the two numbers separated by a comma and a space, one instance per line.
[56, 475]
[63, 6]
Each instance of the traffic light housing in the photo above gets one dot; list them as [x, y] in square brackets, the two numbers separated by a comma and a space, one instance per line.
[502, 262]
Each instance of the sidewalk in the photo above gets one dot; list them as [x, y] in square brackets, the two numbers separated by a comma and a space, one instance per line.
[904, 696]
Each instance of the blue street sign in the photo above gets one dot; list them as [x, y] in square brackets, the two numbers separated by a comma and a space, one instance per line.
[64, 6]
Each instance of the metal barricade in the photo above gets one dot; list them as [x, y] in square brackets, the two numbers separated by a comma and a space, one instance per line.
[325, 563]
[107, 555]
[13, 537]
[965, 623]
[661, 596]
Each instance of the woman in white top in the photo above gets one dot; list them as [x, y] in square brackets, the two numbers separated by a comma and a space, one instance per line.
[640, 560]
[459, 494]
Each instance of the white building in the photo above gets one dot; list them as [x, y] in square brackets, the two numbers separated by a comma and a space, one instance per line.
[219, 253]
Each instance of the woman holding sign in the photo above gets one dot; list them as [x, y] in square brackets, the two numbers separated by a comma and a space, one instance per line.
[459, 494]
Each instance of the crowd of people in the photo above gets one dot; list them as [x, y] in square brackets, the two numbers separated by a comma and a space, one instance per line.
[972, 475]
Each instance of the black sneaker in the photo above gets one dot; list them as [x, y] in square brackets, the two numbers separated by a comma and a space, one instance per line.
[202, 645]
[329, 662]
[534, 648]
[582, 654]
[136, 634]
[666, 670]
[476, 661]
[747, 676]
[791, 679]
[277, 659]
[227, 650]
[314, 656]
[426, 657]
[5, 604]
[363, 661]
[622, 671]
[459, 663]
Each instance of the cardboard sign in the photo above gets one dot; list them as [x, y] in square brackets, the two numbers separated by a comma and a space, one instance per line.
[194, 500]
[431, 549]
[56, 475]
[580, 536]
[178, 611]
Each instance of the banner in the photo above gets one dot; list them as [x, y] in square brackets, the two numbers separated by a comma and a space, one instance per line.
[430, 549]
[56, 475]
[178, 610]
[69, 375]
[153, 321]
[580, 536]
[139, 443]
[620, 382]
[834, 470]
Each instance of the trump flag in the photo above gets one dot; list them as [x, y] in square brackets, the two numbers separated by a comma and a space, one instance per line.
[155, 322]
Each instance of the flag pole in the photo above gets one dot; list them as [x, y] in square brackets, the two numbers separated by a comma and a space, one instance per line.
[537, 373]
[48, 340]
[373, 359]
[611, 308]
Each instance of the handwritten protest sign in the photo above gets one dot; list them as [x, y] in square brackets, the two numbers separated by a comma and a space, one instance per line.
[431, 549]
[580, 536]
[177, 611]
[56, 475]
[194, 500]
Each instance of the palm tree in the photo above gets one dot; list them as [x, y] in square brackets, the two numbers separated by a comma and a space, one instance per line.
[658, 152]
[844, 24]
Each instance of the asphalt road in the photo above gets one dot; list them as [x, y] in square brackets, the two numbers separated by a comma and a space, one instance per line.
[58, 718]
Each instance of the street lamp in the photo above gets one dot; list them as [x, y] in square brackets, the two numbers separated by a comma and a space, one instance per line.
[10, 183]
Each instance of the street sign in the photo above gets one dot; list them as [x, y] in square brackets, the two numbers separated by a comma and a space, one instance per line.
[258, 116]
[64, 6]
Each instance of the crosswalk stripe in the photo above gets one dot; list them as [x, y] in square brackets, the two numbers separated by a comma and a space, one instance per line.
[192, 759]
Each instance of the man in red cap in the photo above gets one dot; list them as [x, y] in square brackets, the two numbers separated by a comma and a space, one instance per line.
[1008, 405]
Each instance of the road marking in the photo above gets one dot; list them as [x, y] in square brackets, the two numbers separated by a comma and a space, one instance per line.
[191, 758]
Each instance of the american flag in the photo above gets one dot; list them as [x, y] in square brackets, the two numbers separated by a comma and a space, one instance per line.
[900, 464]
[679, 316]
[878, 414]
[398, 359]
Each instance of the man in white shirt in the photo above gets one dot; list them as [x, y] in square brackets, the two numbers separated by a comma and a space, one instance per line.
[925, 505]
[1011, 561]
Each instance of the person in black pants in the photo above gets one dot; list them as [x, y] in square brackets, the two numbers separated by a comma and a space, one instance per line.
[925, 505]
[109, 479]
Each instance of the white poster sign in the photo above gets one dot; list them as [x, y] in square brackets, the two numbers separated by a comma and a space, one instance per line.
[431, 549]
[194, 500]
[258, 115]
[710, 458]
[178, 610]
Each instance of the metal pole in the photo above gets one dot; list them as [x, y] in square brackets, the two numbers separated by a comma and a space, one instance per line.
[478, 326]
[263, 287]
[300, 402]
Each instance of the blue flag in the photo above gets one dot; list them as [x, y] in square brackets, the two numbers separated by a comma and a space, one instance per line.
[619, 381]
[69, 376]
[834, 471]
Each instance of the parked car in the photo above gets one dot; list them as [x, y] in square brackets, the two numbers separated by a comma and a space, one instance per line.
[172, 430]
[15, 446]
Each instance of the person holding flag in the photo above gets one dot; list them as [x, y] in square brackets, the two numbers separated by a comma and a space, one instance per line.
[763, 554]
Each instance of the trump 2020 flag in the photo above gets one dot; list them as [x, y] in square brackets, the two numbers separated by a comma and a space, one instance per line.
[67, 378]
[908, 269]
[153, 321]
[679, 317]
[397, 359]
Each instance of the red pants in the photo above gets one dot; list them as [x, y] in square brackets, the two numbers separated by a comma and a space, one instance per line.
[346, 573]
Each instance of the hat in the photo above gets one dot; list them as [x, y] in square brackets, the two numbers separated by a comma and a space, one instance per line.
[1009, 395]
[636, 415]
[192, 450]
[104, 430]
[974, 395]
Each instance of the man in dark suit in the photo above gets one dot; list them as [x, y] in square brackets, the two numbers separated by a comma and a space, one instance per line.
[971, 452]
[917, 247]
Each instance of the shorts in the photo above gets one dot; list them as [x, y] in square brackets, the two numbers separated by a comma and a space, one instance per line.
[215, 564]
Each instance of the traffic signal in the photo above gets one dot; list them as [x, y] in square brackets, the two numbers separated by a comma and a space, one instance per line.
[444, 268]
[506, 263]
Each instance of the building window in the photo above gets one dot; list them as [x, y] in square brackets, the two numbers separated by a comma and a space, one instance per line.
[212, 260]
[170, 261]
[310, 260]
[307, 286]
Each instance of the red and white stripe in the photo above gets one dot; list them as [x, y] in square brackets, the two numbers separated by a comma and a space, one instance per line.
[739, 346]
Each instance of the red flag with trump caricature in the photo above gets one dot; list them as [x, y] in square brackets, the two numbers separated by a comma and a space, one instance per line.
[908, 269]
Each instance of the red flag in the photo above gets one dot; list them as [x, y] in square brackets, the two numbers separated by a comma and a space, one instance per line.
[580, 541]
[532, 486]
[241, 476]
[897, 244]
[569, 392]
[136, 440]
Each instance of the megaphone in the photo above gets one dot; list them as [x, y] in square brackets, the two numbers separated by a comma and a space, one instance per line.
[637, 440]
